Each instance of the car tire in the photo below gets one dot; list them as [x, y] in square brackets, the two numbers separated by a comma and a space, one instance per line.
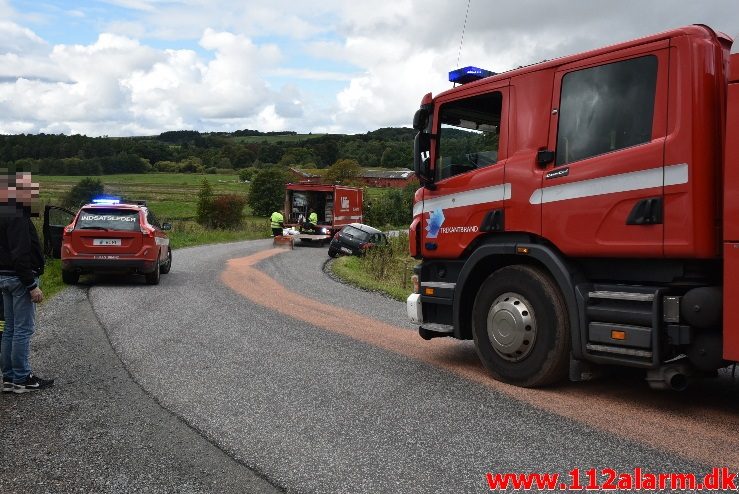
[333, 253]
[70, 277]
[153, 277]
[520, 327]
[166, 265]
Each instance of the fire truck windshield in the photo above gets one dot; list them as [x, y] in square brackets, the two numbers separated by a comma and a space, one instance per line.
[468, 134]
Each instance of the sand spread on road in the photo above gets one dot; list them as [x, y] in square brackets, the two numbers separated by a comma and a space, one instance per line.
[699, 424]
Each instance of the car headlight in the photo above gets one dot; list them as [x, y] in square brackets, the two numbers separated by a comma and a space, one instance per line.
[324, 231]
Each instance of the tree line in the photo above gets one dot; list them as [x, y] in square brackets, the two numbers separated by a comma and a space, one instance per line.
[194, 152]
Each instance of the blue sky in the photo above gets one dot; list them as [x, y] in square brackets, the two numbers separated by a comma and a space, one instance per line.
[140, 67]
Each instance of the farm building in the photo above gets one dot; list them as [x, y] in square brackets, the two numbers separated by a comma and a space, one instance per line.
[386, 178]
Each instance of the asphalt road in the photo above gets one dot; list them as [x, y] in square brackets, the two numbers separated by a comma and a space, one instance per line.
[273, 376]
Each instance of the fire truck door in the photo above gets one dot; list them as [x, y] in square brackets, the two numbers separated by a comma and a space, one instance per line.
[603, 195]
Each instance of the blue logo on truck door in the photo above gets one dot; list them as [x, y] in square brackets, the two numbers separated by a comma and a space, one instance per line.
[436, 219]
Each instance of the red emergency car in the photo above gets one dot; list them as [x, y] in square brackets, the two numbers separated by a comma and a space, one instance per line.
[112, 236]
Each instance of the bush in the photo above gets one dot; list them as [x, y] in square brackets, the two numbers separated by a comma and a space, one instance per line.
[393, 209]
[247, 174]
[211, 170]
[205, 203]
[83, 192]
[226, 211]
[167, 166]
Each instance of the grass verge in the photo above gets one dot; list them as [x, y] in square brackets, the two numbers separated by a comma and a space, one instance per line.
[386, 270]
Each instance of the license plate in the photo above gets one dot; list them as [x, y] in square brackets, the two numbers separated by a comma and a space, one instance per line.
[346, 249]
[106, 241]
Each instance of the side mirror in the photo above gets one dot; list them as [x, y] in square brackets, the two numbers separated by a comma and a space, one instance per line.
[421, 158]
[166, 226]
[544, 157]
[421, 119]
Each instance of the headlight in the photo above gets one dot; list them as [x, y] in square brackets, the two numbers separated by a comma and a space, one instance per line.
[324, 231]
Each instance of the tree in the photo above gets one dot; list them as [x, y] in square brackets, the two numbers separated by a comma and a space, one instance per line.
[247, 174]
[205, 203]
[343, 171]
[83, 193]
[267, 192]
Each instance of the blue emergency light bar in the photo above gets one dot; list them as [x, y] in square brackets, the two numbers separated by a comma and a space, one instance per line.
[468, 74]
[106, 200]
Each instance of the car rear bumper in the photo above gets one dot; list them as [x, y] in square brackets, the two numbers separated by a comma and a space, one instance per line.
[109, 264]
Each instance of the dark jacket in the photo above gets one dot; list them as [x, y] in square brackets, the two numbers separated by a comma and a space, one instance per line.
[20, 249]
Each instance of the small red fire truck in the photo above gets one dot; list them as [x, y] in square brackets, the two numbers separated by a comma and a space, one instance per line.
[334, 205]
[584, 212]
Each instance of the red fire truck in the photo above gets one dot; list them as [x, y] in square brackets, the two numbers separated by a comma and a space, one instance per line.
[584, 212]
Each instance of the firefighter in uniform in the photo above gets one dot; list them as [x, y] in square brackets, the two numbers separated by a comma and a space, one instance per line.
[276, 222]
[312, 221]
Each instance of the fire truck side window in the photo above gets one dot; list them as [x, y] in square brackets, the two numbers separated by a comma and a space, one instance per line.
[606, 108]
[468, 134]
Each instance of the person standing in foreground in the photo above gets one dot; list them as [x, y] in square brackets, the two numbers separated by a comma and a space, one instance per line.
[276, 223]
[21, 264]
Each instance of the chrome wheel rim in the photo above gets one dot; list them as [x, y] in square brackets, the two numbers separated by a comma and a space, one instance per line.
[511, 327]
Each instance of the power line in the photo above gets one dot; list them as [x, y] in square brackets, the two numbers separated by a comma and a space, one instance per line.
[464, 27]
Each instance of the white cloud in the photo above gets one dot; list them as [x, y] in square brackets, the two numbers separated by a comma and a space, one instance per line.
[383, 56]
[18, 39]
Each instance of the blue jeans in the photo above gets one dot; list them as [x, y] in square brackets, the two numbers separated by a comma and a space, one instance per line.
[20, 320]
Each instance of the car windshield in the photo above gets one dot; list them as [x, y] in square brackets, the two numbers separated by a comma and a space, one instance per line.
[356, 233]
[108, 219]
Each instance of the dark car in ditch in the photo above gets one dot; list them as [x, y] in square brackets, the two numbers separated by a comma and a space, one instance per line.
[354, 240]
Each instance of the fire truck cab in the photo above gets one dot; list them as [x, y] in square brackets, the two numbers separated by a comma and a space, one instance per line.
[584, 211]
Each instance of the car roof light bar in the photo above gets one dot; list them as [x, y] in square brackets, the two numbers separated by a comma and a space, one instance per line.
[106, 200]
[468, 74]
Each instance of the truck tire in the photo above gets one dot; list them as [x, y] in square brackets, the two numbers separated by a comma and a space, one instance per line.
[70, 277]
[520, 327]
[332, 252]
[166, 265]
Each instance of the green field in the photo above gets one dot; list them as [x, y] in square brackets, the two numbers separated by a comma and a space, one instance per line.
[172, 197]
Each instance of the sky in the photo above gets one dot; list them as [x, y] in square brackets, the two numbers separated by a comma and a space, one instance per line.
[142, 67]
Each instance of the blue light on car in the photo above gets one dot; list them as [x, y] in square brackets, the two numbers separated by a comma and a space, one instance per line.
[468, 74]
[106, 200]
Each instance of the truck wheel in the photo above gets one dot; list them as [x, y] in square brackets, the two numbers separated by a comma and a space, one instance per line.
[166, 265]
[520, 327]
[332, 252]
[70, 277]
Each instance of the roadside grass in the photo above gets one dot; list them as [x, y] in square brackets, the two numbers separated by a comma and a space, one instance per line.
[387, 270]
[172, 197]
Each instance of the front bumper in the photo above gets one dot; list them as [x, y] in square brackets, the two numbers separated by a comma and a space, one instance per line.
[413, 306]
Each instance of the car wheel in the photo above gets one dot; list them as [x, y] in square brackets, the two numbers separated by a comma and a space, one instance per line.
[153, 277]
[332, 252]
[70, 277]
[166, 265]
[520, 327]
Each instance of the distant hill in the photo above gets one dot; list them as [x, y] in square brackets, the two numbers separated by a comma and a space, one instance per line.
[196, 152]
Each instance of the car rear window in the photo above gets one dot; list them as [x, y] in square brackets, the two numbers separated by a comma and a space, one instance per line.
[108, 219]
[356, 233]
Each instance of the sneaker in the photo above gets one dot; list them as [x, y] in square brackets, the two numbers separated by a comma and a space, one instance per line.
[7, 385]
[32, 383]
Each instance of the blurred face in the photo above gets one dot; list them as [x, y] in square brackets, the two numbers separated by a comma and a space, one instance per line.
[26, 190]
